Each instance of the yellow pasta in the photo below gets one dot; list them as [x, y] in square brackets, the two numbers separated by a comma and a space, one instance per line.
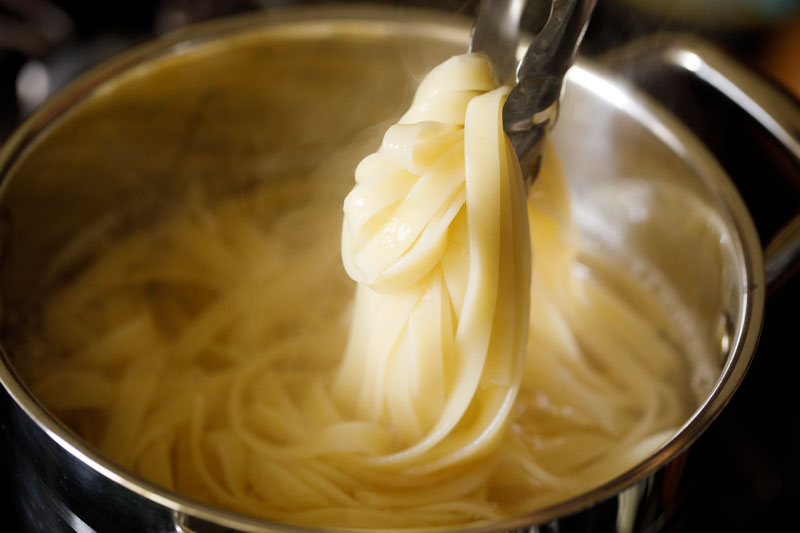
[478, 371]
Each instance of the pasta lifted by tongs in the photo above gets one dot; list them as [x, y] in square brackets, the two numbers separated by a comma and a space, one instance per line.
[532, 105]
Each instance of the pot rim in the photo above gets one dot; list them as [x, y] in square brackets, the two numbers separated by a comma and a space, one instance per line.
[384, 20]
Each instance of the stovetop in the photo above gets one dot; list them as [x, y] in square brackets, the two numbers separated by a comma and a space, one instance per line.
[749, 481]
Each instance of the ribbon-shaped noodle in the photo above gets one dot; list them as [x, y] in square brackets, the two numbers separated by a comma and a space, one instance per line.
[187, 353]
[436, 234]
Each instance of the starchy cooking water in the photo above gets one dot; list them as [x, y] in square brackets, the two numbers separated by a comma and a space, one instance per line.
[202, 350]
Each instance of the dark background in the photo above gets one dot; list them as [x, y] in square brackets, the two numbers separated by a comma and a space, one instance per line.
[748, 481]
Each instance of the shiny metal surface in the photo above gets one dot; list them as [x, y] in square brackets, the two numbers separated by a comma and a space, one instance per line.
[126, 138]
[532, 105]
[496, 34]
[770, 107]
[782, 254]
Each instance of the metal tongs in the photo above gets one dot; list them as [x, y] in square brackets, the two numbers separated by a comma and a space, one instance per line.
[532, 104]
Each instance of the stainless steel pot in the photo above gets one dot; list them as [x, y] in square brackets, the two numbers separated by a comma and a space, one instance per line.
[198, 105]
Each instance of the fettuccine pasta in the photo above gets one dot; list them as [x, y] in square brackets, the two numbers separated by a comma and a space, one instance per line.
[479, 371]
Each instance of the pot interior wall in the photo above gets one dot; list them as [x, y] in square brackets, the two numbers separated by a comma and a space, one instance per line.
[307, 102]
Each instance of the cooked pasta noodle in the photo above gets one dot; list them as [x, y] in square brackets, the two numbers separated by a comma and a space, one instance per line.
[219, 356]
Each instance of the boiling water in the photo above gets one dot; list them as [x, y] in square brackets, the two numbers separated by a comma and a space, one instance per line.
[243, 302]
[165, 341]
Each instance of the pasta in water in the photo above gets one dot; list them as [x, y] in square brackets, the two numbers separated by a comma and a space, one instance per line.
[479, 371]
